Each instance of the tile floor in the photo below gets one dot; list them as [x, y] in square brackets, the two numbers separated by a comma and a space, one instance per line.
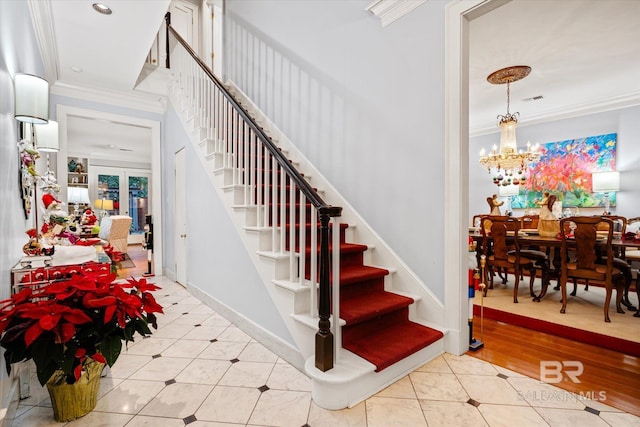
[198, 369]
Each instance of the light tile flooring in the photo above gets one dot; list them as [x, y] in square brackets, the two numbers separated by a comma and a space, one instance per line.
[198, 369]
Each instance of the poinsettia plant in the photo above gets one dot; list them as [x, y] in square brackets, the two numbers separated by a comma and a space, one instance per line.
[66, 324]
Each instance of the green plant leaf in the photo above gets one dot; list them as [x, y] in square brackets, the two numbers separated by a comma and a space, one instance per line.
[45, 372]
[152, 320]
[110, 348]
[141, 327]
[45, 352]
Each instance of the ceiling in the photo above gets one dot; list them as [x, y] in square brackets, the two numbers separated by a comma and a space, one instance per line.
[584, 54]
[104, 53]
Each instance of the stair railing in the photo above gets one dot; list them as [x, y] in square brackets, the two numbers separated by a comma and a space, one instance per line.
[272, 186]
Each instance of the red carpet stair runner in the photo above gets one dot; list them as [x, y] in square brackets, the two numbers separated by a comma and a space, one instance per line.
[377, 327]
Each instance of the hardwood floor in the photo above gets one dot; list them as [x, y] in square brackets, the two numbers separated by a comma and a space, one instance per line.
[612, 376]
[139, 257]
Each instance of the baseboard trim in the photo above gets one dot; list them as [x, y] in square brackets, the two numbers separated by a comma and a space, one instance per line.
[278, 346]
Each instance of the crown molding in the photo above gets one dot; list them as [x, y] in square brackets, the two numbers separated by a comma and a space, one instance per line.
[606, 104]
[42, 19]
[152, 103]
[391, 10]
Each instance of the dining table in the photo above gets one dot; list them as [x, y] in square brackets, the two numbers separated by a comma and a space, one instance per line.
[531, 238]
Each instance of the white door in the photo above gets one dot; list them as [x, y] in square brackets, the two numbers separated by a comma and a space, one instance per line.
[180, 236]
[122, 191]
[184, 19]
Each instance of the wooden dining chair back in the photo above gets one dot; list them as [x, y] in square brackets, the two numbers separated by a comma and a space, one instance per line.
[530, 221]
[632, 256]
[619, 253]
[582, 238]
[619, 227]
[477, 220]
[500, 235]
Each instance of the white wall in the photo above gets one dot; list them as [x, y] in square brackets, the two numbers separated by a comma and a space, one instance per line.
[217, 262]
[364, 104]
[18, 54]
[625, 122]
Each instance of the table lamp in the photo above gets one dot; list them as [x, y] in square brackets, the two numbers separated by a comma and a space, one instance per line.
[509, 191]
[104, 205]
[606, 182]
[77, 195]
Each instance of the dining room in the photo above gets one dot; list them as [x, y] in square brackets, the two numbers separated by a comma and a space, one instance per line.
[554, 112]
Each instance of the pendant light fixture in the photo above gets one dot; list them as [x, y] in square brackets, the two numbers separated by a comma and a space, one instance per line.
[508, 164]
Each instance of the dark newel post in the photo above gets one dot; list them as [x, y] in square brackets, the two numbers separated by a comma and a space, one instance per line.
[324, 337]
[167, 20]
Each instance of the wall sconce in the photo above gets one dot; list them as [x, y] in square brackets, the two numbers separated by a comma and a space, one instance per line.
[31, 99]
[606, 182]
[47, 137]
[31, 107]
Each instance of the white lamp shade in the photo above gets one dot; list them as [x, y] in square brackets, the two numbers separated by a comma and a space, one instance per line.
[605, 182]
[78, 195]
[509, 190]
[31, 98]
[47, 136]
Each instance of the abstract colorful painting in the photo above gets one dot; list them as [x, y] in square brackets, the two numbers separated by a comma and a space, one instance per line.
[565, 169]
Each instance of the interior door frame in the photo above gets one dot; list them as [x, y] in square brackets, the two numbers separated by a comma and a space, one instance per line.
[63, 112]
[180, 217]
[456, 200]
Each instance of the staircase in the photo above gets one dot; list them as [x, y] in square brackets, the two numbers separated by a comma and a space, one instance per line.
[378, 337]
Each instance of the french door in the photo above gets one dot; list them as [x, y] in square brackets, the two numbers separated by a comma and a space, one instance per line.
[122, 191]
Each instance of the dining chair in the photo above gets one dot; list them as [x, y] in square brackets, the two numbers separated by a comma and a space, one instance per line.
[633, 256]
[619, 262]
[582, 238]
[502, 251]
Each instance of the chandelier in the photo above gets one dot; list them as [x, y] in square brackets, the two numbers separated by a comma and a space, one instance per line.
[508, 165]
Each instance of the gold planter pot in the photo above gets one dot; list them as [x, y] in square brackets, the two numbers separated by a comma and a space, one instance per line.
[71, 401]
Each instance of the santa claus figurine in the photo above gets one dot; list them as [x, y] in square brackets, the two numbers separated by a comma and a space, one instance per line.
[53, 212]
[88, 218]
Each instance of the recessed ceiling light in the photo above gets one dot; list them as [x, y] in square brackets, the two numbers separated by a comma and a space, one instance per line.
[76, 69]
[111, 146]
[100, 8]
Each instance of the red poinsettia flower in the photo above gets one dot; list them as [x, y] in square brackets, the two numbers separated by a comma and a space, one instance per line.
[83, 316]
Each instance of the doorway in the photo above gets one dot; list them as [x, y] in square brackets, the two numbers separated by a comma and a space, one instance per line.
[65, 114]
[129, 193]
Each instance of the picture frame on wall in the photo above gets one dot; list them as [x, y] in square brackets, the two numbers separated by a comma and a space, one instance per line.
[565, 169]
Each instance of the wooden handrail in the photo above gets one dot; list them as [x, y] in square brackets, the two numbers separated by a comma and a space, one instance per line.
[293, 173]
[324, 337]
